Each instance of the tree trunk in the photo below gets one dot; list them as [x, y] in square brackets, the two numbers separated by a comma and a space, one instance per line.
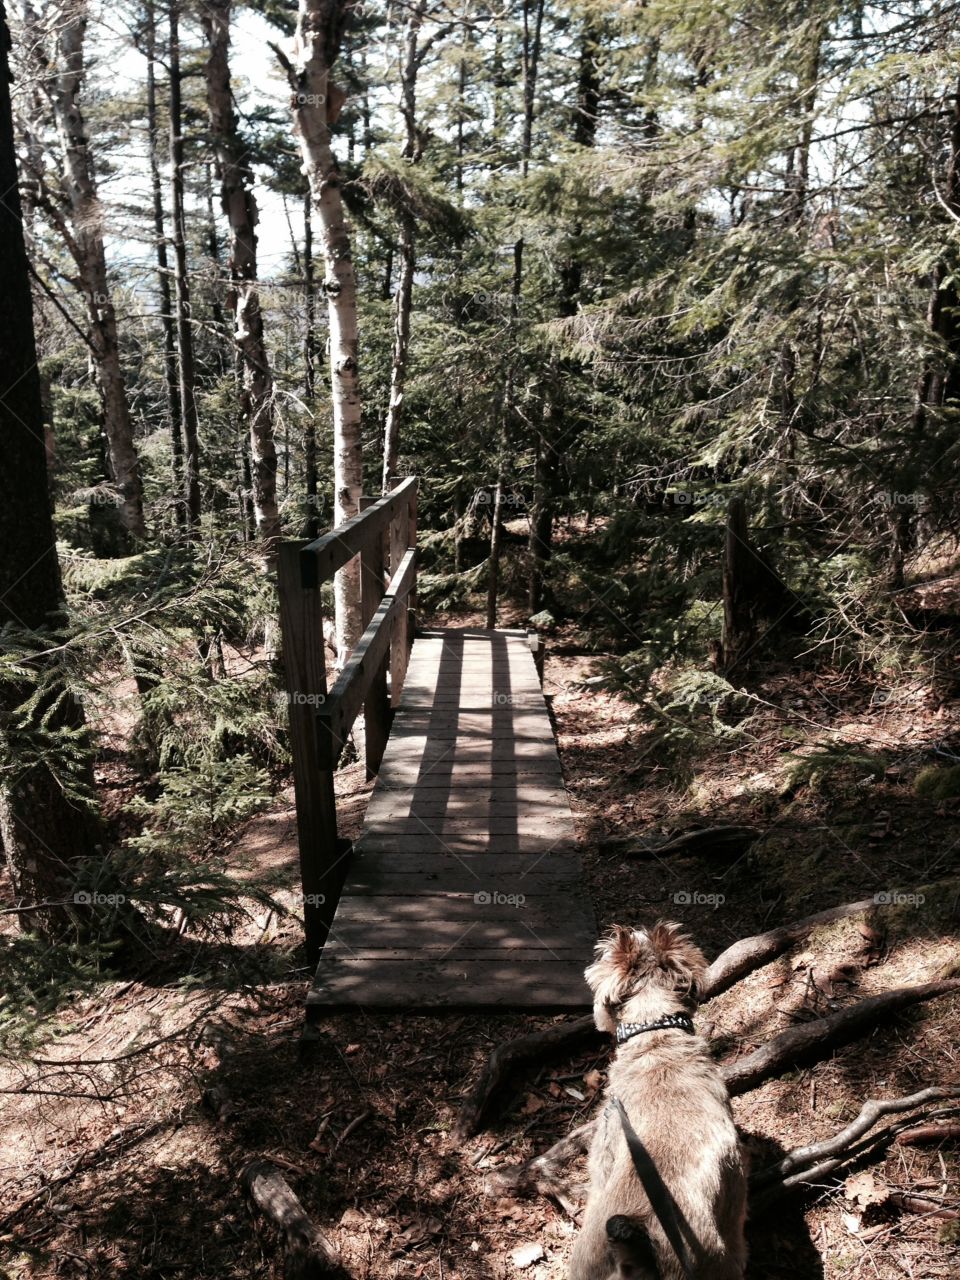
[496, 525]
[44, 833]
[188, 401]
[87, 218]
[312, 524]
[320, 26]
[163, 270]
[540, 544]
[403, 305]
[939, 380]
[752, 592]
[240, 207]
[408, 251]
[546, 462]
[531, 60]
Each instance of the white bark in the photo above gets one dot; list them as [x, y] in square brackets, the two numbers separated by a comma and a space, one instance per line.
[313, 51]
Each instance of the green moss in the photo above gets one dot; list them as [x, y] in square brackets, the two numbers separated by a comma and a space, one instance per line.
[938, 783]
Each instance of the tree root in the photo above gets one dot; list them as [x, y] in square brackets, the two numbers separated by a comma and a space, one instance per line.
[786, 1049]
[753, 953]
[542, 1173]
[309, 1254]
[730, 966]
[812, 1038]
[811, 1163]
[473, 1110]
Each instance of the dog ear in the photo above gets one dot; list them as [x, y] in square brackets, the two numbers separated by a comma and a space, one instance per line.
[679, 955]
[614, 956]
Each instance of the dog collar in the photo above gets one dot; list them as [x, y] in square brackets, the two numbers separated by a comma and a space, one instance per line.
[674, 1021]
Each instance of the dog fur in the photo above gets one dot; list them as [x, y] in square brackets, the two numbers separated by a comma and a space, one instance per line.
[678, 1105]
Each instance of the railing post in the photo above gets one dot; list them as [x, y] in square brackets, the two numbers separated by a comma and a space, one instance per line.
[376, 708]
[398, 640]
[412, 542]
[301, 627]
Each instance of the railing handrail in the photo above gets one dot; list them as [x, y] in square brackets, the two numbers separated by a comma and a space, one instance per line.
[384, 532]
[342, 706]
[320, 559]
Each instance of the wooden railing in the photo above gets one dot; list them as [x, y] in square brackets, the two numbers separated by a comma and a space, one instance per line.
[384, 535]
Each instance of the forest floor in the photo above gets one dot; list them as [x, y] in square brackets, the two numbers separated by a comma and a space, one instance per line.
[122, 1138]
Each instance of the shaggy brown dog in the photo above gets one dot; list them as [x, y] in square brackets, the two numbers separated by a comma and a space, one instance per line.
[667, 1187]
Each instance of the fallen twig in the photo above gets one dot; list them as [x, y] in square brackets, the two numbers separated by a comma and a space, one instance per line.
[924, 1133]
[355, 1123]
[722, 840]
[117, 1144]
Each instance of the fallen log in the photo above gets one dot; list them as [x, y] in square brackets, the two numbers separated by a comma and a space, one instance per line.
[790, 1047]
[308, 1253]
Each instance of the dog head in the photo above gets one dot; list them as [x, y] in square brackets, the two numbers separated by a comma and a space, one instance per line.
[661, 964]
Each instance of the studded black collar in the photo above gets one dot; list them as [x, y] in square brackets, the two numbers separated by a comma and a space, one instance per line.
[674, 1021]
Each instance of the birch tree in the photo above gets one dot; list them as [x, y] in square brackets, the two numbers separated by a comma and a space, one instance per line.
[170, 379]
[313, 51]
[403, 304]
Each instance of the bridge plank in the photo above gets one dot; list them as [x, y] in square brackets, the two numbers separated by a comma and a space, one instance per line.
[430, 984]
[465, 886]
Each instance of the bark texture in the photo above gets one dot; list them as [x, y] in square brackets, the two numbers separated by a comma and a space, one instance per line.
[189, 424]
[314, 50]
[240, 208]
[42, 831]
[163, 266]
[403, 304]
[79, 181]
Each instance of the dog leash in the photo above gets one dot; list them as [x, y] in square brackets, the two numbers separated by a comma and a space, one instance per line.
[657, 1192]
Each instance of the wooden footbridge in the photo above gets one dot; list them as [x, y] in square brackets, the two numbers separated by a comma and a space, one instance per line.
[464, 887]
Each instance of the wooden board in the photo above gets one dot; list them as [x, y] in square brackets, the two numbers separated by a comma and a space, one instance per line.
[465, 887]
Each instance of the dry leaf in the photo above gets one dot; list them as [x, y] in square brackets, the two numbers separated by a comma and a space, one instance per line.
[863, 1189]
[593, 1080]
[851, 1222]
[533, 1104]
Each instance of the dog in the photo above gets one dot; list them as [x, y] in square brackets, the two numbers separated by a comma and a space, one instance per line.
[667, 1197]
